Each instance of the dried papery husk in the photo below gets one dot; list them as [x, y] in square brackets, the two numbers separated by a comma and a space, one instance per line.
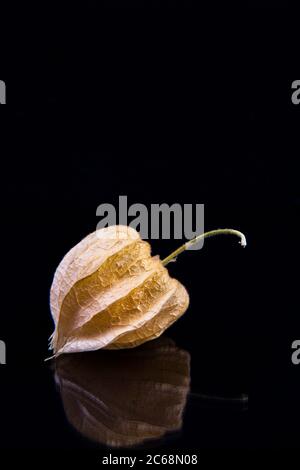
[109, 292]
[124, 398]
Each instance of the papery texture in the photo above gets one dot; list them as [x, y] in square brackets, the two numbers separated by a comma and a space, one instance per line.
[109, 292]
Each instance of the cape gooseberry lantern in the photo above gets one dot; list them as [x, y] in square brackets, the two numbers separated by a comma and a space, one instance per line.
[109, 292]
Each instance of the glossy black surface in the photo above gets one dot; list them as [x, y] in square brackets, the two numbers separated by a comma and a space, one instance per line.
[177, 136]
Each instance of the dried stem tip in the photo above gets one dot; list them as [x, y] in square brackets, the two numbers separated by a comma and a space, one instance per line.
[212, 233]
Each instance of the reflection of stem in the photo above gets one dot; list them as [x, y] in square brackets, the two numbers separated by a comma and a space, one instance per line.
[212, 233]
[243, 398]
[239, 402]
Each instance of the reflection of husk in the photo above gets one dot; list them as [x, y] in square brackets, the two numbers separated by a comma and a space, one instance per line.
[123, 398]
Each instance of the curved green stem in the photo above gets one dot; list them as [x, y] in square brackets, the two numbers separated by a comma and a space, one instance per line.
[212, 233]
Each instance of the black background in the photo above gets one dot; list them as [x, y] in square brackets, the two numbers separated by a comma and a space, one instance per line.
[158, 121]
